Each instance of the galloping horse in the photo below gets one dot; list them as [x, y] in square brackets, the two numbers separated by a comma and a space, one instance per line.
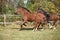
[45, 13]
[28, 16]
[51, 18]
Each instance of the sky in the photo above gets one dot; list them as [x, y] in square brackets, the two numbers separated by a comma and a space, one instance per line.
[25, 1]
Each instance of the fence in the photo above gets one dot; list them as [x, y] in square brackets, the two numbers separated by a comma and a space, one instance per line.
[4, 22]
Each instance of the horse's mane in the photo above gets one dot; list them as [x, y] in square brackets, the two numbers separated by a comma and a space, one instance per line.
[41, 10]
[25, 8]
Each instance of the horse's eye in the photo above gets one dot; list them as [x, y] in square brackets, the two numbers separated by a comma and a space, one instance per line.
[15, 13]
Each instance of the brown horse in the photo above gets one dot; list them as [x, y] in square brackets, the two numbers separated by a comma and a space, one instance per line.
[53, 20]
[28, 16]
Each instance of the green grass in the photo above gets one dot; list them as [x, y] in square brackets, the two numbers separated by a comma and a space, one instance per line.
[12, 33]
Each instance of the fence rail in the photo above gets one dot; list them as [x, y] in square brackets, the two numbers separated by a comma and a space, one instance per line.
[4, 22]
[5, 17]
[8, 15]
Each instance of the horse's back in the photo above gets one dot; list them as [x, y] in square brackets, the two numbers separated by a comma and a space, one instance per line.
[54, 17]
[31, 17]
[40, 17]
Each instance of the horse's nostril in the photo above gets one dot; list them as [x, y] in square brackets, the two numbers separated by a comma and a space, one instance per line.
[15, 13]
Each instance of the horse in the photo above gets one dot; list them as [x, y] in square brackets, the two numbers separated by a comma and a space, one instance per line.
[51, 18]
[41, 19]
[28, 16]
[44, 13]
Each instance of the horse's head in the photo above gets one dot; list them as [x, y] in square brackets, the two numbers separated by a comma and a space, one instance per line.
[22, 10]
[18, 10]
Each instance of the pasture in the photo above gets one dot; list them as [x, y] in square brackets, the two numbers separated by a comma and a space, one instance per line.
[29, 10]
[11, 32]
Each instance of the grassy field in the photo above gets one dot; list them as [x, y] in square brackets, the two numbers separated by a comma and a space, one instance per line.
[11, 32]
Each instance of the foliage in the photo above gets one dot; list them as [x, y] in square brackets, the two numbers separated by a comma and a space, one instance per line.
[44, 4]
[50, 6]
[32, 5]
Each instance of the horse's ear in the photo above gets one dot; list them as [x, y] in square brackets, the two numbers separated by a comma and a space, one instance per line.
[19, 5]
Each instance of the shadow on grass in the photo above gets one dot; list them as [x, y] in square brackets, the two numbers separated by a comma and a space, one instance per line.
[26, 28]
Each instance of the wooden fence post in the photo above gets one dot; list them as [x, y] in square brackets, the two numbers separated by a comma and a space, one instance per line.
[4, 20]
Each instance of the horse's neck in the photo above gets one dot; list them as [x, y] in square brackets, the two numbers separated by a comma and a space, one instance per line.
[27, 12]
[23, 12]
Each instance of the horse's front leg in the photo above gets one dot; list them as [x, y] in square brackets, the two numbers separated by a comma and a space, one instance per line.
[36, 26]
[50, 25]
[23, 23]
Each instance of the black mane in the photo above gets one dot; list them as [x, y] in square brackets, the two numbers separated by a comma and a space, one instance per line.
[45, 13]
[42, 11]
[25, 9]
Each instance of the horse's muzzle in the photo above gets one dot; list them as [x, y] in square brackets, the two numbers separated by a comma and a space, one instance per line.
[15, 13]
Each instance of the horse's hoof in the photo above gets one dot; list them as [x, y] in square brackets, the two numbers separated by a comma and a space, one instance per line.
[54, 28]
[42, 29]
[20, 29]
[34, 30]
[51, 27]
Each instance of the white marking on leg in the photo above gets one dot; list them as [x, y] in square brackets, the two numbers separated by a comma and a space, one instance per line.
[50, 26]
[36, 29]
[33, 29]
[54, 28]
[40, 26]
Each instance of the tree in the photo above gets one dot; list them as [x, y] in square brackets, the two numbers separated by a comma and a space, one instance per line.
[9, 6]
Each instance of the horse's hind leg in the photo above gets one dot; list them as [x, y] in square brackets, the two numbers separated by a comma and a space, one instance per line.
[54, 24]
[50, 25]
[42, 24]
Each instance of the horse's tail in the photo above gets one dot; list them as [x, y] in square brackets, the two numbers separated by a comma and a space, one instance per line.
[59, 17]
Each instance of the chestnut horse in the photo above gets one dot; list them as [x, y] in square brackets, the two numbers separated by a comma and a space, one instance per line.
[51, 18]
[28, 16]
